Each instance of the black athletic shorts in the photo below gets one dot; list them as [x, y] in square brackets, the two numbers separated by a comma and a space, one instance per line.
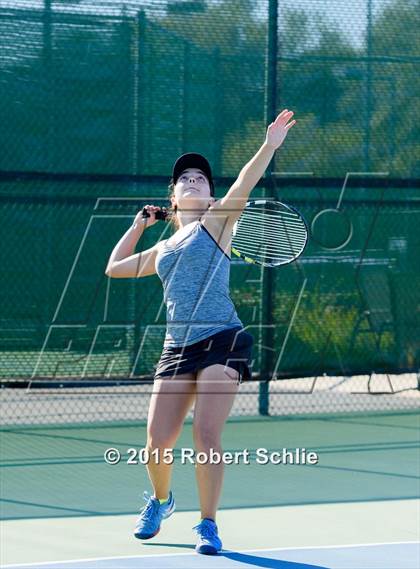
[231, 347]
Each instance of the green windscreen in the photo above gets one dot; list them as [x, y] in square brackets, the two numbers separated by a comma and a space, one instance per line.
[99, 99]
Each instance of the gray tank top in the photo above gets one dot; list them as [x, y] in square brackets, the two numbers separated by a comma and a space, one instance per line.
[195, 279]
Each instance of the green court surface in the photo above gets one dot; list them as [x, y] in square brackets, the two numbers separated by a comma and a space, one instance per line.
[60, 494]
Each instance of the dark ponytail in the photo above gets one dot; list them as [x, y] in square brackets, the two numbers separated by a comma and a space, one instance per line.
[173, 218]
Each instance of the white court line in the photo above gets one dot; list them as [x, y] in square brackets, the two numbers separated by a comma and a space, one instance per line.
[192, 553]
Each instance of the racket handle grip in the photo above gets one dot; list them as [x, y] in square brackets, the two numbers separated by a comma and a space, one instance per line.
[160, 214]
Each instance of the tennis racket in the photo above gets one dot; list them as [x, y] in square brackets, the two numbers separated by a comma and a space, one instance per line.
[269, 233]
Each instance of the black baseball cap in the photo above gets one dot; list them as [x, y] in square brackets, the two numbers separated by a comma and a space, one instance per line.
[192, 160]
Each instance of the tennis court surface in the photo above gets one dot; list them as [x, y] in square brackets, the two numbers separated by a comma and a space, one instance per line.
[401, 555]
[358, 507]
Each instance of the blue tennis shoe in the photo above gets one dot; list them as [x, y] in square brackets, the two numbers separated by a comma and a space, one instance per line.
[148, 523]
[208, 542]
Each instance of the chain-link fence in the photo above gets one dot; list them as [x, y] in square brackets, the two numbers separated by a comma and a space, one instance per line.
[123, 87]
[100, 99]
[348, 307]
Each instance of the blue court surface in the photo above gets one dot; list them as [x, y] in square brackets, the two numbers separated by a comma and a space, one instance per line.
[373, 556]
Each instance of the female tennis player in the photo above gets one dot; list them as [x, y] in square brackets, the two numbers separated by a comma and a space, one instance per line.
[206, 352]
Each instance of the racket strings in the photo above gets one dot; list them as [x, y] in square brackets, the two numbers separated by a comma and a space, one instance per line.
[252, 243]
[271, 213]
[270, 236]
[281, 232]
[269, 254]
[274, 218]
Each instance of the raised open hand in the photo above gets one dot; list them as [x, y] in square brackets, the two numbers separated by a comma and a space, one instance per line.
[277, 130]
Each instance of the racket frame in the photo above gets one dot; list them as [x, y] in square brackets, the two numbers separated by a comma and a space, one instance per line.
[260, 201]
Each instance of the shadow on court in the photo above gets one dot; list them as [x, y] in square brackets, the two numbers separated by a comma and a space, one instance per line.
[257, 561]
[177, 545]
[246, 558]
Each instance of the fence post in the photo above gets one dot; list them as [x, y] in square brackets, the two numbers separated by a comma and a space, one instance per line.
[185, 91]
[49, 147]
[139, 70]
[133, 41]
[267, 274]
[218, 128]
[368, 110]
